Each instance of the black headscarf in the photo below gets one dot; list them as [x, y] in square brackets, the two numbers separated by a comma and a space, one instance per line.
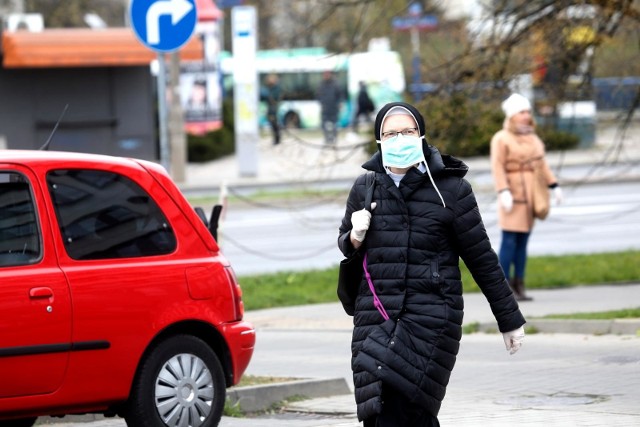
[385, 109]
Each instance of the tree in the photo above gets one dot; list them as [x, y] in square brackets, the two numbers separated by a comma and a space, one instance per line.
[70, 13]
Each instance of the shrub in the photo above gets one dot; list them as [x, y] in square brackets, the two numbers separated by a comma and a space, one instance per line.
[461, 125]
[215, 144]
[557, 140]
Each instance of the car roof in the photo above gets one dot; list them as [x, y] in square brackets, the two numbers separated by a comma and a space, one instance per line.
[33, 157]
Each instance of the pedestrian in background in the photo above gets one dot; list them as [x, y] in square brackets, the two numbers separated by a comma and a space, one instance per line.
[365, 106]
[516, 152]
[329, 95]
[424, 218]
[272, 96]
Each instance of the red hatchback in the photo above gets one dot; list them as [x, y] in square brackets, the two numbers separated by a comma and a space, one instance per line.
[114, 295]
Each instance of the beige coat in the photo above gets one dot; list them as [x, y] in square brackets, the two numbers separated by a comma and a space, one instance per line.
[513, 158]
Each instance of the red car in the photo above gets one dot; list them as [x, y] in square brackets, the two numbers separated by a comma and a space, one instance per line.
[114, 295]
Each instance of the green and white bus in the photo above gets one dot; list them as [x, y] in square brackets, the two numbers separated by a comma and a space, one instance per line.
[300, 73]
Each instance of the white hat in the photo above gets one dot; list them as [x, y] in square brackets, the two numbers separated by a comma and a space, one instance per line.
[514, 104]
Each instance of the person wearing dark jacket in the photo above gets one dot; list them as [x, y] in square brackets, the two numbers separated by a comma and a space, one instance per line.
[423, 219]
[364, 106]
[329, 95]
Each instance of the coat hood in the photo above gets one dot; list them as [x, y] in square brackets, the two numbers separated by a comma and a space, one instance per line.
[385, 109]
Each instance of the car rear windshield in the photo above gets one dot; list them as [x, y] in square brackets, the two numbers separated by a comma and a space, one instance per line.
[106, 215]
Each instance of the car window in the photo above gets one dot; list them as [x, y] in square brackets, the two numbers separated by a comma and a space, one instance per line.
[106, 215]
[19, 230]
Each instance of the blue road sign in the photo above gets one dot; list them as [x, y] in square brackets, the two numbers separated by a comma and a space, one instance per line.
[422, 23]
[163, 25]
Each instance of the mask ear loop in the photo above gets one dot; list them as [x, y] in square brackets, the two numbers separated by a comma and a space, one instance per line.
[426, 164]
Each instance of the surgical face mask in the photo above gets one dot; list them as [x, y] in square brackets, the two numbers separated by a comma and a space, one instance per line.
[401, 151]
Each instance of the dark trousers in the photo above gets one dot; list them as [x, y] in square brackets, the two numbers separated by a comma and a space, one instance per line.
[397, 411]
[275, 128]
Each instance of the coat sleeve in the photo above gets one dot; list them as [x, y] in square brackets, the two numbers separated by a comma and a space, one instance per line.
[355, 202]
[498, 162]
[548, 174]
[475, 250]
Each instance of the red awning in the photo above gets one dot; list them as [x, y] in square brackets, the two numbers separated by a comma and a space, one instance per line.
[81, 47]
[208, 11]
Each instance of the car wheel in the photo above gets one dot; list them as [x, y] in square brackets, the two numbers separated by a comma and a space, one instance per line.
[23, 422]
[291, 120]
[180, 383]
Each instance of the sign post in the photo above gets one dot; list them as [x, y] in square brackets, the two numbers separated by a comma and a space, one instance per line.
[415, 22]
[245, 90]
[163, 26]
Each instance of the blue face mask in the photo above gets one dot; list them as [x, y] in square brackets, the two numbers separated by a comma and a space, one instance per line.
[401, 151]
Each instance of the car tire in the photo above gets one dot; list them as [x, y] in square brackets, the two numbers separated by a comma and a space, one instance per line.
[22, 422]
[291, 120]
[180, 379]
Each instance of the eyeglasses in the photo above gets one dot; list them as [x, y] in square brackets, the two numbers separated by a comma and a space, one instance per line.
[406, 132]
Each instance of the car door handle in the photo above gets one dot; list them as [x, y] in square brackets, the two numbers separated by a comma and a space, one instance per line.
[41, 292]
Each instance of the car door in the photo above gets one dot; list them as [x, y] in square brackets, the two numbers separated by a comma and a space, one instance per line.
[35, 305]
[115, 247]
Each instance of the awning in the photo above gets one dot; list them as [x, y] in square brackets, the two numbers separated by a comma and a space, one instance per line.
[80, 47]
[208, 11]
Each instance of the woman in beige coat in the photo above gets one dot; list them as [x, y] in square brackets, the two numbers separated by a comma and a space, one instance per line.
[516, 151]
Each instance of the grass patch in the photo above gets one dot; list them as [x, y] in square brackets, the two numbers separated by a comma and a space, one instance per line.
[289, 288]
[470, 328]
[631, 313]
[233, 410]
[319, 286]
[546, 272]
[295, 197]
[236, 411]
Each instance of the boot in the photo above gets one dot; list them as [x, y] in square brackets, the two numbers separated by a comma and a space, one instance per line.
[520, 293]
[512, 286]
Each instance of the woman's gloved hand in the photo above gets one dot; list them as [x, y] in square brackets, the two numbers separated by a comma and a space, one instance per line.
[360, 221]
[506, 200]
[513, 340]
[557, 195]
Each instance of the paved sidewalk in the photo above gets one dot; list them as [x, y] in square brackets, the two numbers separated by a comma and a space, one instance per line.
[580, 299]
[558, 379]
[302, 159]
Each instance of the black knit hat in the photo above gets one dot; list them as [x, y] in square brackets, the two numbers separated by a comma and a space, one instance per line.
[385, 109]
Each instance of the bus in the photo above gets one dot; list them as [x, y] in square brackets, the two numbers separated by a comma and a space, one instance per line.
[300, 73]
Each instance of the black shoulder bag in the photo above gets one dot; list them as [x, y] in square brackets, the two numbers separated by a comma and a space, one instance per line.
[351, 270]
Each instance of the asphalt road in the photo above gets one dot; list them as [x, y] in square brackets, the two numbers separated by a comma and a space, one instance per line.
[265, 238]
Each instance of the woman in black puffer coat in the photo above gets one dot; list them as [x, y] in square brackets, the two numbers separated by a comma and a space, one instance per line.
[424, 218]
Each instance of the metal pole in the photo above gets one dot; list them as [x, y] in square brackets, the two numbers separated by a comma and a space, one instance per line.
[162, 113]
[415, 43]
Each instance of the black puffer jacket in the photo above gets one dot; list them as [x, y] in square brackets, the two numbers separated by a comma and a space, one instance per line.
[413, 244]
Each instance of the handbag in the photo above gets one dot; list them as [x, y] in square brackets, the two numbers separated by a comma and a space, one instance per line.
[541, 197]
[351, 268]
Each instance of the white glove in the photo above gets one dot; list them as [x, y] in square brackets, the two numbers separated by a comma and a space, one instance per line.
[513, 340]
[360, 221]
[506, 200]
[557, 195]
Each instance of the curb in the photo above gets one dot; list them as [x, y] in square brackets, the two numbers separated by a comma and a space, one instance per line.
[250, 398]
[262, 397]
[573, 326]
